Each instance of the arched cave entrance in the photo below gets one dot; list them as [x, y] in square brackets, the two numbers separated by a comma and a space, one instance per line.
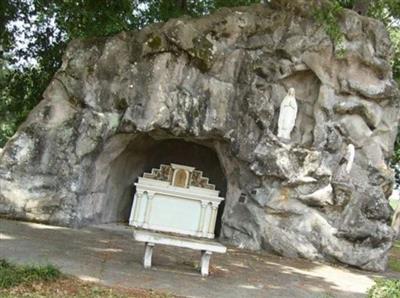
[142, 153]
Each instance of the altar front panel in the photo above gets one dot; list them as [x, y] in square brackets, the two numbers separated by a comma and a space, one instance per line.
[171, 214]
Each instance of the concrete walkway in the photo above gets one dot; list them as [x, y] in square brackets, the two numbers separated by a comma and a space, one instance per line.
[107, 254]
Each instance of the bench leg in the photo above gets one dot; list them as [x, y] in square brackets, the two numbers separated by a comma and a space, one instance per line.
[205, 262]
[148, 253]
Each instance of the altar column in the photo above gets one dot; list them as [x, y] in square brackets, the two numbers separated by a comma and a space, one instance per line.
[200, 229]
[214, 211]
[147, 212]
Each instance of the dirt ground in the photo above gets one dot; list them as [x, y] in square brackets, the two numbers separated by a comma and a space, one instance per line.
[108, 255]
[70, 287]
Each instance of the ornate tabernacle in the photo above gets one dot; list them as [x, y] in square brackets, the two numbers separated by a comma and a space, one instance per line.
[178, 199]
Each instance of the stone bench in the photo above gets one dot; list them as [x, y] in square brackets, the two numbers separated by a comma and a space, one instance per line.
[152, 238]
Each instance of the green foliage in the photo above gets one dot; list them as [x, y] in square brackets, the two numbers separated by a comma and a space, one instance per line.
[12, 275]
[19, 93]
[9, 11]
[395, 162]
[328, 17]
[349, 4]
[396, 155]
[88, 18]
[395, 37]
[394, 261]
[388, 12]
[163, 10]
[394, 265]
[385, 288]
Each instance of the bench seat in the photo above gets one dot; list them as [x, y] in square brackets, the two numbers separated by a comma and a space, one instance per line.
[150, 238]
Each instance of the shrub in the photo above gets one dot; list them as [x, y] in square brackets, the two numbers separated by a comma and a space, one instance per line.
[385, 288]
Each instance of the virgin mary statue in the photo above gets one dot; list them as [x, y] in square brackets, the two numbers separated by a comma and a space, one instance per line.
[287, 115]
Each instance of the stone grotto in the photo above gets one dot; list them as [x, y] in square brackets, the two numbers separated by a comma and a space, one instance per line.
[206, 92]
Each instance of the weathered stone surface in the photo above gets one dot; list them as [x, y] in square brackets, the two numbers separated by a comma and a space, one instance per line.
[207, 92]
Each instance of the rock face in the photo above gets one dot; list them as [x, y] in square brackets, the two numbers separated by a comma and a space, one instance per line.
[206, 92]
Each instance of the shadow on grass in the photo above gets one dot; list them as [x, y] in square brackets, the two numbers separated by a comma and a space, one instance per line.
[394, 257]
[12, 275]
[47, 281]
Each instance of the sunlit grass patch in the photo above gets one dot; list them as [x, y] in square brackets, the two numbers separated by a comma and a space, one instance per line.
[12, 275]
[394, 265]
[48, 281]
[385, 288]
[394, 257]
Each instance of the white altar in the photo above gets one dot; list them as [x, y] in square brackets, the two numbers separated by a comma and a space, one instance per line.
[176, 199]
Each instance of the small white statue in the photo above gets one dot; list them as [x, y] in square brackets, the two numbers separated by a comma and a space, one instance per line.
[350, 157]
[287, 115]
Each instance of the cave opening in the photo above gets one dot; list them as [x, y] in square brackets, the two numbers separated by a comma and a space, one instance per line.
[141, 154]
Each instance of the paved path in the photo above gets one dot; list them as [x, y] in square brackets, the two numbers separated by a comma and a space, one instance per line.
[108, 255]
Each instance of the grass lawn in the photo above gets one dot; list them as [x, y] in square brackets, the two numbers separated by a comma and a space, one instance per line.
[385, 288]
[394, 257]
[388, 288]
[48, 281]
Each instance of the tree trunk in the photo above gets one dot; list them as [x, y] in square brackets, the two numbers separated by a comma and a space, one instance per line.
[396, 221]
[182, 5]
[361, 6]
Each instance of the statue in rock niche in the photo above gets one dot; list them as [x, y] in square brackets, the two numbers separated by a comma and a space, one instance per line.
[287, 115]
